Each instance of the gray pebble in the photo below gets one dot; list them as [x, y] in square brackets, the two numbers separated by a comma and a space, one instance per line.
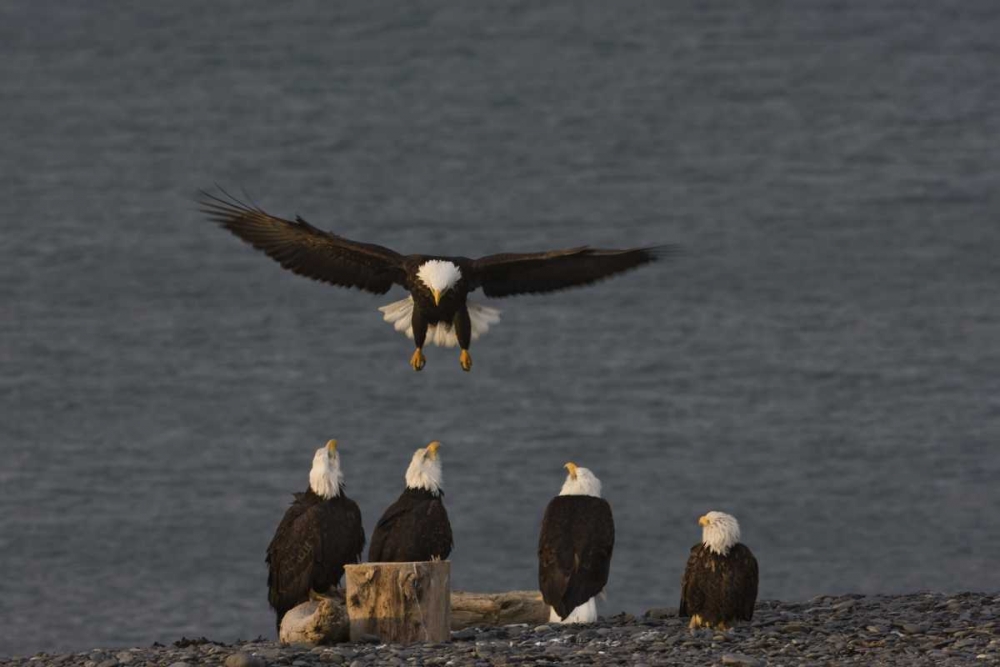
[661, 612]
[892, 630]
[243, 659]
[269, 653]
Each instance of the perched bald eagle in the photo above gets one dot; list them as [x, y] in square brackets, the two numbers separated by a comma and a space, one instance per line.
[437, 310]
[720, 582]
[416, 526]
[574, 548]
[319, 534]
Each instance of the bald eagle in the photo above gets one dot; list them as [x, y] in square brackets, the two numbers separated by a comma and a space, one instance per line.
[437, 310]
[574, 548]
[416, 526]
[719, 586]
[319, 534]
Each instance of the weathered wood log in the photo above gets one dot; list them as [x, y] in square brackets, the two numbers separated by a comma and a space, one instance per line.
[321, 620]
[400, 603]
[486, 609]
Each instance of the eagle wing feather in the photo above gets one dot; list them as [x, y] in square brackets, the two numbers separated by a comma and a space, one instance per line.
[508, 274]
[306, 250]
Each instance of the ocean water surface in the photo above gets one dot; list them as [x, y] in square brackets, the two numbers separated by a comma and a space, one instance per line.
[823, 361]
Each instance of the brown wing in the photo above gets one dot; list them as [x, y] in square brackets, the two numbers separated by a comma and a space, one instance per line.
[574, 551]
[691, 596]
[524, 273]
[306, 250]
[745, 577]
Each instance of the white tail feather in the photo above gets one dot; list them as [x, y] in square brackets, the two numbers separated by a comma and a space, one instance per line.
[442, 334]
[585, 613]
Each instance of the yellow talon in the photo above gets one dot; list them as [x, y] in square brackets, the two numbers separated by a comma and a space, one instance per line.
[418, 360]
[466, 360]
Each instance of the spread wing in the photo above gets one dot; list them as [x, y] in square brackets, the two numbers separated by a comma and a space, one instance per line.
[306, 250]
[526, 273]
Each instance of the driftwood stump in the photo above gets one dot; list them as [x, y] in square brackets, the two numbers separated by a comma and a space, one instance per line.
[487, 609]
[402, 603]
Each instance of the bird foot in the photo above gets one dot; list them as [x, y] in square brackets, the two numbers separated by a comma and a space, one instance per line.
[418, 360]
[466, 360]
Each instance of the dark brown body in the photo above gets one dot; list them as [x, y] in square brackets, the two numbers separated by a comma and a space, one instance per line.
[574, 551]
[313, 542]
[717, 591]
[414, 528]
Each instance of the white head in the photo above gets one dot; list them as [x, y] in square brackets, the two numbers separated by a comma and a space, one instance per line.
[719, 532]
[325, 478]
[439, 276]
[580, 482]
[425, 469]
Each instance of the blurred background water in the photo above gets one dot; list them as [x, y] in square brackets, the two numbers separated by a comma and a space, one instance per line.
[824, 362]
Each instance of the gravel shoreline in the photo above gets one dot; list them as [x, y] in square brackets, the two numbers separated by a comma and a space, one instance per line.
[917, 629]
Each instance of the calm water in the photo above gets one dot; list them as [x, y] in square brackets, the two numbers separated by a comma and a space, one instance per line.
[824, 362]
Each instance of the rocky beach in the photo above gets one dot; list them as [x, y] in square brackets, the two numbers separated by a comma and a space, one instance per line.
[916, 629]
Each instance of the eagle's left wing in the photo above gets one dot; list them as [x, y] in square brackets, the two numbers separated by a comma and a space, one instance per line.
[508, 274]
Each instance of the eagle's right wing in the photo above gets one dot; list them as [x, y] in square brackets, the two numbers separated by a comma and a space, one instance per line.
[306, 250]
[508, 274]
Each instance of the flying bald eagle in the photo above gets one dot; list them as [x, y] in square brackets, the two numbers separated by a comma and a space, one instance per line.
[720, 582]
[416, 526]
[319, 534]
[574, 548]
[437, 310]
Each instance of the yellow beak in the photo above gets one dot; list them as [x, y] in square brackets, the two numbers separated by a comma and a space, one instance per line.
[572, 469]
[331, 446]
[432, 448]
[703, 521]
[437, 296]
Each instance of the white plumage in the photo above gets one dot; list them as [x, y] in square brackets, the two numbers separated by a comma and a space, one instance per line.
[441, 334]
[581, 482]
[585, 613]
[720, 531]
[439, 274]
[326, 477]
[424, 471]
